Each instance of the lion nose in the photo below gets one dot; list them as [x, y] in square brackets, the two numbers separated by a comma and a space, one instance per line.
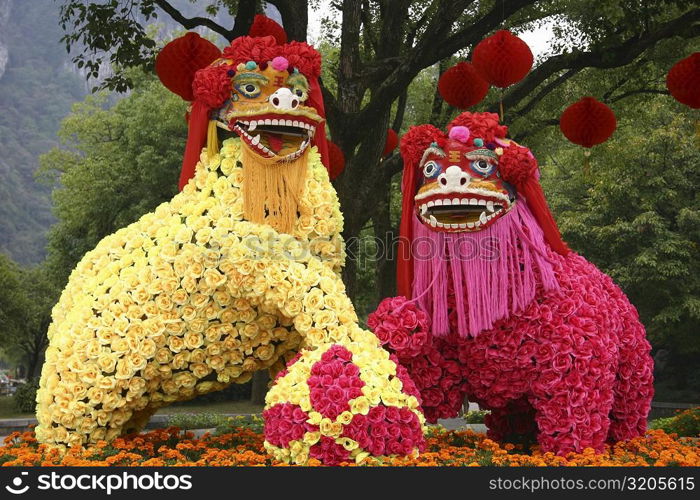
[453, 178]
[284, 99]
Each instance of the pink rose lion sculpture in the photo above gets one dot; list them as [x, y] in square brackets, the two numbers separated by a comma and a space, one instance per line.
[494, 305]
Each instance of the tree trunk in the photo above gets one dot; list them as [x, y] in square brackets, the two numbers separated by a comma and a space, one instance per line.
[259, 387]
[384, 234]
[350, 270]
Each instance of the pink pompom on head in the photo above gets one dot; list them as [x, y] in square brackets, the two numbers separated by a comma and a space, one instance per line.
[280, 63]
[460, 133]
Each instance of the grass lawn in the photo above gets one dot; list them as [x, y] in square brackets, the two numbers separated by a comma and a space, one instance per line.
[8, 410]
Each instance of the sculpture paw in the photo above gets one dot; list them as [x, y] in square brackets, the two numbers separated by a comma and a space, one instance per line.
[342, 403]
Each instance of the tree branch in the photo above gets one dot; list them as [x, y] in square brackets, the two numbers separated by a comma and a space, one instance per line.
[544, 91]
[630, 93]
[295, 17]
[193, 22]
[604, 56]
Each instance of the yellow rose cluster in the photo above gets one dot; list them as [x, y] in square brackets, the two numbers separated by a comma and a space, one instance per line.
[188, 300]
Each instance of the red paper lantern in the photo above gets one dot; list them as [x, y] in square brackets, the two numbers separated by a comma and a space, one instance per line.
[502, 59]
[588, 122]
[264, 26]
[336, 159]
[180, 59]
[392, 140]
[461, 86]
[683, 81]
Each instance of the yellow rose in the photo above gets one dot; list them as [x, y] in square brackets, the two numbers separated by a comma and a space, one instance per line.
[106, 383]
[183, 234]
[176, 344]
[198, 356]
[148, 348]
[198, 325]
[346, 417]
[180, 297]
[120, 345]
[200, 370]
[181, 360]
[347, 443]
[193, 340]
[217, 363]
[125, 369]
[136, 361]
[303, 322]
[360, 405]
[188, 313]
[265, 352]
[185, 380]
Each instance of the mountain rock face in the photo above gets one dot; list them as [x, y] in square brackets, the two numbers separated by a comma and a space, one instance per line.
[37, 89]
[5, 6]
[38, 85]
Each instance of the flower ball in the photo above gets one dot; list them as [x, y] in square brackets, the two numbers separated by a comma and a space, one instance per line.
[342, 403]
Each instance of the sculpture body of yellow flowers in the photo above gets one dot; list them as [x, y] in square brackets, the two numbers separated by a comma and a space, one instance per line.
[190, 299]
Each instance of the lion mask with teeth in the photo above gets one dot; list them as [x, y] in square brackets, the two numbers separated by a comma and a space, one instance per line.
[469, 194]
[268, 94]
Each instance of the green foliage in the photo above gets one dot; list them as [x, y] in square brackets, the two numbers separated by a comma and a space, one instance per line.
[637, 216]
[475, 416]
[253, 422]
[26, 299]
[13, 301]
[685, 423]
[224, 424]
[116, 164]
[25, 397]
[197, 420]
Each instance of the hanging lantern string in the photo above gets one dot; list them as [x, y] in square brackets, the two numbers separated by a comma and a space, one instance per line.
[587, 163]
[500, 103]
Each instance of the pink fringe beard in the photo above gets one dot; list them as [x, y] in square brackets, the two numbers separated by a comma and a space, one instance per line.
[483, 276]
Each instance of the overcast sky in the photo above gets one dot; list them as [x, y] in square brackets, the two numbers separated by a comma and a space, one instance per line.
[537, 39]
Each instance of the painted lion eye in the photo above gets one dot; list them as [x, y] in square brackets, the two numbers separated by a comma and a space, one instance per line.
[299, 92]
[250, 90]
[482, 167]
[431, 169]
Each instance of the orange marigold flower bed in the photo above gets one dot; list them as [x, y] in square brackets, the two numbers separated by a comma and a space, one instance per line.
[244, 446]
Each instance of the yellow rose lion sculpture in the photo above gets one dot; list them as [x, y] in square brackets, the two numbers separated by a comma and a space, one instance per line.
[239, 272]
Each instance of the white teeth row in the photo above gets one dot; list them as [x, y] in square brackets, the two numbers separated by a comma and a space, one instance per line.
[483, 219]
[298, 153]
[255, 141]
[252, 125]
[456, 201]
[468, 191]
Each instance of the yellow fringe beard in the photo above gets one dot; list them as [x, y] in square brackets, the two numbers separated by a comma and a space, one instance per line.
[272, 189]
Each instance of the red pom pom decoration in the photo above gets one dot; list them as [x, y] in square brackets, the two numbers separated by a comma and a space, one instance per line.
[212, 86]
[336, 160]
[462, 86]
[484, 125]
[264, 26]
[502, 59]
[683, 81]
[517, 165]
[179, 60]
[588, 122]
[392, 140]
